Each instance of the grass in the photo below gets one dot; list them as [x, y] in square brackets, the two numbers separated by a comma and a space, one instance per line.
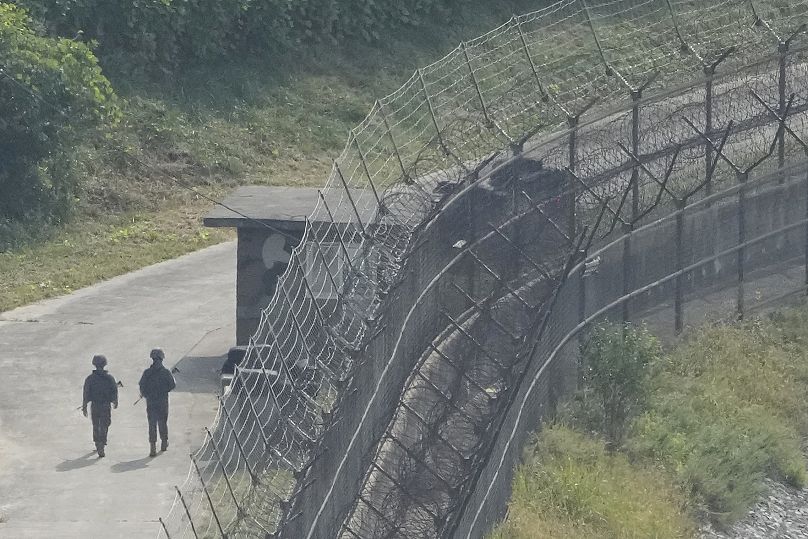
[276, 121]
[729, 409]
[572, 487]
[725, 409]
[88, 252]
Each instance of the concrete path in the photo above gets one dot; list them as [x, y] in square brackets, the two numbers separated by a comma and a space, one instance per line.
[52, 485]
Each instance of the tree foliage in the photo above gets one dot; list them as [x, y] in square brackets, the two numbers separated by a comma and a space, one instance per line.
[169, 32]
[617, 362]
[51, 90]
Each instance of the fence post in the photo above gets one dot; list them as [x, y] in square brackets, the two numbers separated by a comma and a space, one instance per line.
[635, 148]
[782, 48]
[224, 472]
[627, 231]
[806, 231]
[351, 199]
[475, 83]
[581, 315]
[241, 451]
[364, 160]
[187, 512]
[680, 225]
[742, 177]
[708, 127]
[404, 175]
[571, 186]
[336, 231]
[165, 528]
[432, 113]
[207, 495]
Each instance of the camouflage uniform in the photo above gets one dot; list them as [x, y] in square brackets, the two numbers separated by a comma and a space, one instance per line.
[155, 384]
[101, 390]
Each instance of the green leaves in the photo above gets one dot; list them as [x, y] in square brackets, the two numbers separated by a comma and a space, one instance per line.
[617, 362]
[171, 32]
[51, 91]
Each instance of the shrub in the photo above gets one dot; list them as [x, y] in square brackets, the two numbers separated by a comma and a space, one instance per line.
[616, 365]
[51, 92]
[171, 32]
[728, 410]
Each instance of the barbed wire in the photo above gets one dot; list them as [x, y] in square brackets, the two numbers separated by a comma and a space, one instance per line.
[399, 283]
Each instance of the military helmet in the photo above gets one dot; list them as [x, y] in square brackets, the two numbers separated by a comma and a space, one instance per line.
[157, 353]
[99, 361]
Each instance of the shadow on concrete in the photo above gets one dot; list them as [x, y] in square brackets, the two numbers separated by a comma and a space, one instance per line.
[131, 465]
[199, 374]
[76, 464]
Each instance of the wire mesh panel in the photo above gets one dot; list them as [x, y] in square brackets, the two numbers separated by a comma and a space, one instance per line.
[479, 217]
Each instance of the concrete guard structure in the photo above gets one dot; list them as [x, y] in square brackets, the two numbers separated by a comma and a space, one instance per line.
[274, 225]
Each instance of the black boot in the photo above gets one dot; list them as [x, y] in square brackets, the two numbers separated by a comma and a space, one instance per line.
[99, 448]
[153, 449]
[163, 445]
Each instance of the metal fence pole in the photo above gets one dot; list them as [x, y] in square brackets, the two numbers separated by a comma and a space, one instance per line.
[224, 472]
[781, 89]
[187, 512]
[708, 128]
[351, 199]
[742, 177]
[337, 231]
[572, 147]
[806, 232]
[627, 231]
[475, 83]
[229, 420]
[635, 147]
[432, 113]
[581, 317]
[364, 161]
[680, 225]
[207, 495]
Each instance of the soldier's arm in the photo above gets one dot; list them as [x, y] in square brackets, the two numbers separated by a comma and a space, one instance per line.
[114, 391]
[86, 397]
[171, 382]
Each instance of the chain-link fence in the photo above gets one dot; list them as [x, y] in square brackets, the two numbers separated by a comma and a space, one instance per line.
[427, 319]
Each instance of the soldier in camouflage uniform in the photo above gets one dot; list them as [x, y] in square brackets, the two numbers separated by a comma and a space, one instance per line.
[101, 390]
[155, 384]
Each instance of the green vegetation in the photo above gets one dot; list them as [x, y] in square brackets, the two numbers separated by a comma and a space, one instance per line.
[37, 179]
[728, 409]
[720, 412]
[264, 119]
[218, 94]
[615, 379]
[170, 31]
[572, 487]
[85, 253]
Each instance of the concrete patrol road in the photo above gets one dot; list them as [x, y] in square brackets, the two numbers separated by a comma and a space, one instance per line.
[52, 483]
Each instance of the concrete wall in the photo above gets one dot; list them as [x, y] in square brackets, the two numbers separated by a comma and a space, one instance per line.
[263, 256]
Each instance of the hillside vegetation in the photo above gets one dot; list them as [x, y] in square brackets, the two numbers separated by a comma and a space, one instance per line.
[701, 426]
[125, 104]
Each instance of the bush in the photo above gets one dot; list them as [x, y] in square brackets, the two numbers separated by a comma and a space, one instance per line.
[728, 410]
[171, 32]
[51, 92]
[616, 362]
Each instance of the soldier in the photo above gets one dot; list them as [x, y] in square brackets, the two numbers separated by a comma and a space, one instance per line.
[155, 384]
[101, 390]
